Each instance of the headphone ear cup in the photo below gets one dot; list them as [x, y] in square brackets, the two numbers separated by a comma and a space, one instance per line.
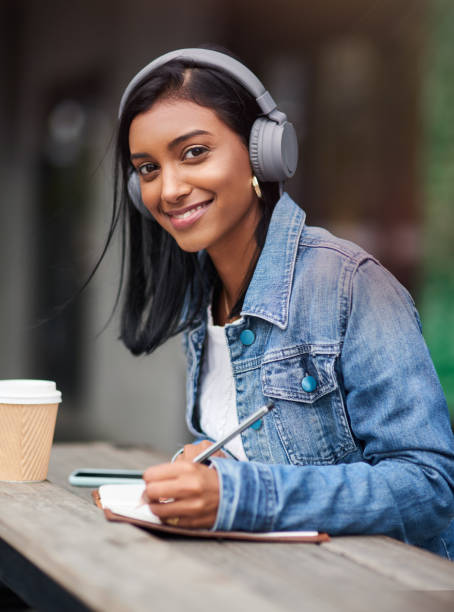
[273, 150]
[255, 148]
[135, 194]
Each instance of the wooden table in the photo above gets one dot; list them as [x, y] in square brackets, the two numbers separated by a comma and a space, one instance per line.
[58, 552]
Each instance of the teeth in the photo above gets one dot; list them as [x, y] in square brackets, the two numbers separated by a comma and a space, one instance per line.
[188, 213]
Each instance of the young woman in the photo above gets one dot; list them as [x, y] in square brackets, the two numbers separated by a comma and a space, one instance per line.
[359, 441]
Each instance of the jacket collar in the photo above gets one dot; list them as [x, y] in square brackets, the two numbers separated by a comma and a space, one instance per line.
[268, 295]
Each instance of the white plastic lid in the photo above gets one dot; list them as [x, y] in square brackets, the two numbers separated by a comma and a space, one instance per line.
[29, 392]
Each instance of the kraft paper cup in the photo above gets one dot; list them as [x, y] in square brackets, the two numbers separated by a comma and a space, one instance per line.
[28, 411]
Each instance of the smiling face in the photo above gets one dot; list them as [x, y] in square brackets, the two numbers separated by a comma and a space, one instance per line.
[195, 177]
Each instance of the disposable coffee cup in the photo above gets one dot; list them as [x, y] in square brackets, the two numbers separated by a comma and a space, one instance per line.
[28, 412]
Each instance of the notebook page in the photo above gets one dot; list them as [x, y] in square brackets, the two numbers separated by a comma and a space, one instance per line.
[127, 500]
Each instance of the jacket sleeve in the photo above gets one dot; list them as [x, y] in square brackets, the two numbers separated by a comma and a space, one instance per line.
[398, 414]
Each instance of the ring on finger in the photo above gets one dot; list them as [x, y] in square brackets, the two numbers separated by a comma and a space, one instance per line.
[173, 521]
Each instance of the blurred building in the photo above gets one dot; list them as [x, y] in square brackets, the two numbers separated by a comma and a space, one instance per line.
[350, 75]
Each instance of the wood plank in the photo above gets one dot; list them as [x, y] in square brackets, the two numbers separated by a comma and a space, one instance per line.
[412, 567]
[113, 567]
[304, 573]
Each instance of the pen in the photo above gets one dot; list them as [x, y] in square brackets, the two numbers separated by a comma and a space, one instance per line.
[203, 456]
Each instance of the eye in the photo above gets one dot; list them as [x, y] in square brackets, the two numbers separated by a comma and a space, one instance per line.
[194, 152]
[146, 169]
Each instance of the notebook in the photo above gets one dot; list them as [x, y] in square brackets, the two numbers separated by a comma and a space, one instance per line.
[122, 503]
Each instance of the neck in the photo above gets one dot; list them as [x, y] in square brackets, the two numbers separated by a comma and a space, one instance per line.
[232, 271]
[232, 257]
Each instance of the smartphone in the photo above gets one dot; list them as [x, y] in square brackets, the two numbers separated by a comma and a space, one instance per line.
[93, 477]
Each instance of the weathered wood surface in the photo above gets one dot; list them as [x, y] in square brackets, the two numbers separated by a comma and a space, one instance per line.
[111, 566]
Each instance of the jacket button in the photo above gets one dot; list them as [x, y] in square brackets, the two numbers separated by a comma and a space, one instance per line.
[257, 424]
[309, 384]
[247, 337]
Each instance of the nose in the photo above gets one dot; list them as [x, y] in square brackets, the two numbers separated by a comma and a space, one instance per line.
[174, 185]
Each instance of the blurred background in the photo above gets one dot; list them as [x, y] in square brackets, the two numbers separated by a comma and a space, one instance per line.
[369, 86]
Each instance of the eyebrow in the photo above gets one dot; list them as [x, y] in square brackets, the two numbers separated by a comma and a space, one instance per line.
[175, 142]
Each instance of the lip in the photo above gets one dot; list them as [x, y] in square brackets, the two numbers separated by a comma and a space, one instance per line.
[179, 222]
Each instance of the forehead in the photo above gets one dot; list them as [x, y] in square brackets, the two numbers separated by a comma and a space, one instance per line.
[169, 119]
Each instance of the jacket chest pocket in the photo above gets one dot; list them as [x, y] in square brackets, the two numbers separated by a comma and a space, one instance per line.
[310, 415]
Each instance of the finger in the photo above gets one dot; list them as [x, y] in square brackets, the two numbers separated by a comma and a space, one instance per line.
[178, 488]
[218, 453]
[187, 508]
[197, 449]
[187, 454]
[192, 481]
[200, 522]
[196, 505]
[190, 451]
[166, 471]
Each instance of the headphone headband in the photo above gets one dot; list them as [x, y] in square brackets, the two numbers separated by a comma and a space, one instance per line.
[213, 59]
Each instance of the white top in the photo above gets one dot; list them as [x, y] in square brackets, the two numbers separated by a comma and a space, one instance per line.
[218, 415]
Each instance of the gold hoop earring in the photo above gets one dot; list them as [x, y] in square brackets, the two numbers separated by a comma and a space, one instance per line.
[256, 187]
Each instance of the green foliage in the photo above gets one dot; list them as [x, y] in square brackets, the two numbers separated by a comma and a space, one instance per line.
[436, 302]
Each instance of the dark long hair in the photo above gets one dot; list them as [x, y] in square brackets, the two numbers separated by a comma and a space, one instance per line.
[166, 287]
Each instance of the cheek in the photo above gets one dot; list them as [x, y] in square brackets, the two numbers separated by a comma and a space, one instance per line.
[151, 196]
[231, 171]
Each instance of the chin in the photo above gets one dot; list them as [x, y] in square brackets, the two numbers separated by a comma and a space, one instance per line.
[191, 246]
[194, 240]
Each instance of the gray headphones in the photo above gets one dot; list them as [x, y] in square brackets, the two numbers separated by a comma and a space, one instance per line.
[273, 147]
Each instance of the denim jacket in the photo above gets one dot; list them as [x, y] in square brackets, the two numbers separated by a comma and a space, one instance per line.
[359, 441]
